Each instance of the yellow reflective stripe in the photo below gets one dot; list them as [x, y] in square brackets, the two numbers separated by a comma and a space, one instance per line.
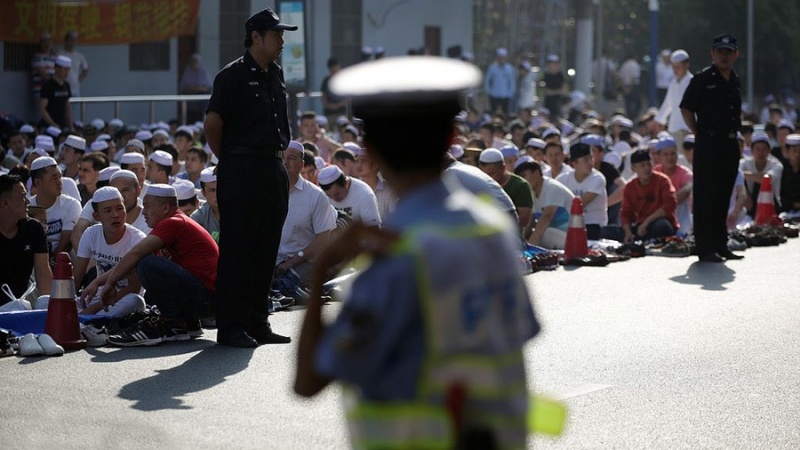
[404, 425]
[546, 416]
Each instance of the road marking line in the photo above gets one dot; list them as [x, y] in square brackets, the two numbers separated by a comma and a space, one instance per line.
[581, 390]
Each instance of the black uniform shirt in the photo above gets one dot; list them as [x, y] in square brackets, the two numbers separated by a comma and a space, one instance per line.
[716, 101]
[17, 261]
[57, 96]
[252, 104]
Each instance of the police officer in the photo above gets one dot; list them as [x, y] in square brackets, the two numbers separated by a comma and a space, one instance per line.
[711, 107]
[247, 127]
[431, 333]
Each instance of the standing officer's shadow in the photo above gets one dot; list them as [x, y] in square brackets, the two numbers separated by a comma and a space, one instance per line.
[206, 369]
[709, 276]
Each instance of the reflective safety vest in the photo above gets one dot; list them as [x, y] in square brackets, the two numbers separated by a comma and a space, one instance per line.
[477, 317]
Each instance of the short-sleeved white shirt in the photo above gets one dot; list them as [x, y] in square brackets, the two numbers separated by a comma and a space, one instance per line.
[93, 245]
[360, 203]
[554, 193]
[386, 199]
[310, 213]
[61, 216]
[596, 212]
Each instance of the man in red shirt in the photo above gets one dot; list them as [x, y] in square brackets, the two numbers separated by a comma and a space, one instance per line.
[648, 202]
[177, 265]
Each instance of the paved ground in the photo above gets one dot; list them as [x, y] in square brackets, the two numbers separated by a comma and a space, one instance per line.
[654, 353]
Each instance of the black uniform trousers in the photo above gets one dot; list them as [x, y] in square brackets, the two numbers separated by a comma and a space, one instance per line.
[253, 196]
[715, 165]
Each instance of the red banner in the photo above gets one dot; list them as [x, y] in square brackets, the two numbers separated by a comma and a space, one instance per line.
[104, 22]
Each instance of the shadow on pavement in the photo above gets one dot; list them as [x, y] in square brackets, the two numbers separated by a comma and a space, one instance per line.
[111, 354]
[202, 371]
[709, 276]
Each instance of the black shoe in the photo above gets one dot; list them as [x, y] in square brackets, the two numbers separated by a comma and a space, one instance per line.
[241, 340]
[265, 335]
[711, 257]
[729, 255]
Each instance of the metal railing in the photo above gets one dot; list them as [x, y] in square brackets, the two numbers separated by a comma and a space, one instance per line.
[180, 99]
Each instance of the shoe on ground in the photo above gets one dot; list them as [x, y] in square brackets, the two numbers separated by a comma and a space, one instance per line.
[175, 330]
[95, 337]
[149, 331]
[281, 302]
[50, 347]
[240, 340]
[730, 256]
[264, 335]
[29, 346]
[194, 328]
[711, 257]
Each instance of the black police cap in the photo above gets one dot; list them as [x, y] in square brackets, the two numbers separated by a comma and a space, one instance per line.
[725, 41]
[266, 19]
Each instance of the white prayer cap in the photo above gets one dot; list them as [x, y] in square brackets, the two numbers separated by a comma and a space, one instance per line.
[689, 139]
[296, 146]
[793, 139]
[38, 151]
[104, 137]
[679, 56]
[536, 143]
[522, 160]
[184, 129]
[161, 190]
[105, 174]
[161, 158]
[123, 174]
[490, 156]
[135, 143]
[352, 147]
[502, 51]
[184, 189]
[208, 176]
[329, 174]
[54, 131]
[45, 143]
[116, 123]
[341, 120]
[144, 135]
[98, 123]
[99, 146]
[42, 162]
[76, 142]
[105, 194]
[758, 136]
[160, 132]
[27, 129]
[550, 132]
[319, 162]
[132, 158]
[63, 61]
[456, 150]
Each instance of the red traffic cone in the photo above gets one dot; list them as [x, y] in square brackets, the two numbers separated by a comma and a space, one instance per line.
[576, 246]
[765, 210]
[62, 311]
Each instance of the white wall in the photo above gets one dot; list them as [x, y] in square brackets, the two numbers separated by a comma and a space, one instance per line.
[208, 36]
[404, 25]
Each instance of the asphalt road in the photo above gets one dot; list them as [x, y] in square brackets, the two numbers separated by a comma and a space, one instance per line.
[654, 353]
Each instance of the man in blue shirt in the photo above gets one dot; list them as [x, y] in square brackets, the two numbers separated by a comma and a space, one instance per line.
[500, 83]
[430, 333]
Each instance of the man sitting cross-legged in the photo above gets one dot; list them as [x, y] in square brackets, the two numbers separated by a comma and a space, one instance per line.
[177, 265]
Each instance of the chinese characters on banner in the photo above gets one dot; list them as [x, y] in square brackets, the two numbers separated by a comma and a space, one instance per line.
[117, 22]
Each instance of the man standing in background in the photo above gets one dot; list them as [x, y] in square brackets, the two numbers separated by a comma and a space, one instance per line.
[80, 66]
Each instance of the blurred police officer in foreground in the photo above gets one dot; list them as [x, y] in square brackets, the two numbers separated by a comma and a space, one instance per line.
[712, 107]
[430, 334]
[247, 127]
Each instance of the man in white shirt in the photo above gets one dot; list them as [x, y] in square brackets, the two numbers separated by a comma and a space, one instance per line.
[350, 195]
[80, 66]
[670, 107]
[761, 163]
[367, 171]
[629, 74]
[589, 184]
[551, 205]
[62, 211]
[663, 74]
[107, 242]
[309, 221]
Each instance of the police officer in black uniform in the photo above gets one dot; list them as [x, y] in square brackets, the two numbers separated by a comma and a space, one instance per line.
[712, 107]
[247, 127]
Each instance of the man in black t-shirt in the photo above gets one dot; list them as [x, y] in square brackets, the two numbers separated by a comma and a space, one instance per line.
[554, 87]
[23, 243]
[333, 106]
[54, 100]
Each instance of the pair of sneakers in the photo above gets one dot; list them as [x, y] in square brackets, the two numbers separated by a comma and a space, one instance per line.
[154, 329]
[30, 345]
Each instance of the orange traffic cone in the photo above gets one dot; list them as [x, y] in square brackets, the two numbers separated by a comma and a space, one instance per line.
[576, 246]
[62, 311]
[765, 210]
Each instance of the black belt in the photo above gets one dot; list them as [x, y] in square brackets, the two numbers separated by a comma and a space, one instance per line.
[720, 134]
[250, 151]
